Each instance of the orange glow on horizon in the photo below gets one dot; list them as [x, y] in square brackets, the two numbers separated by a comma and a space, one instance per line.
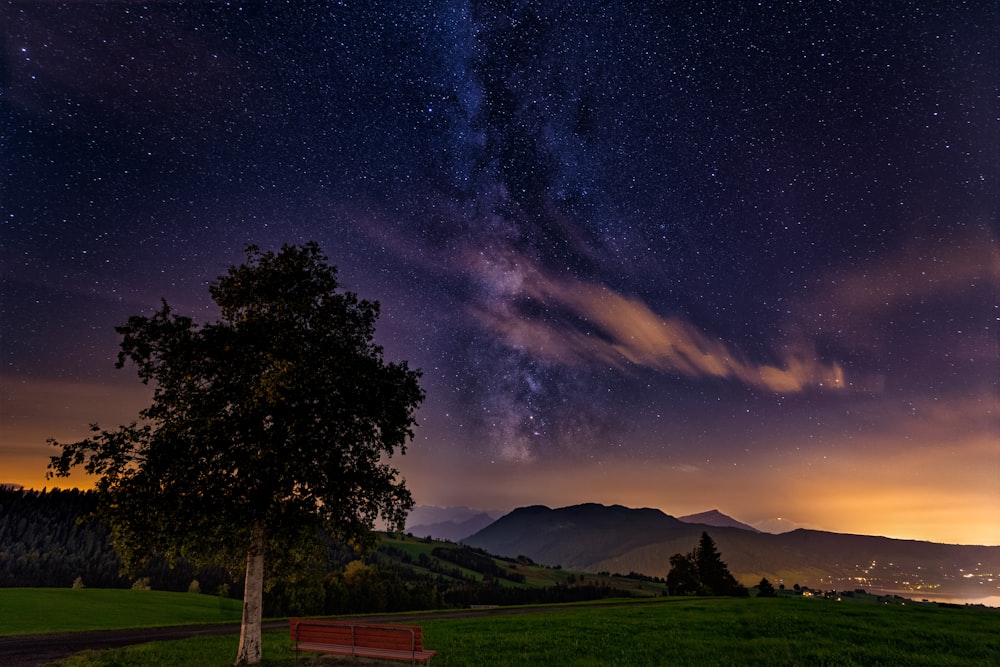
[43, 409]
[897, 482]
[861, 497]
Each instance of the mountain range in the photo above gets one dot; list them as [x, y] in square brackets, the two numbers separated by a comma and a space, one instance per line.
[599, 538]
[447, 523]
[456, 523]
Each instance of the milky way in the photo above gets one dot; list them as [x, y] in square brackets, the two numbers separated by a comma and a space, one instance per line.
[675, 256]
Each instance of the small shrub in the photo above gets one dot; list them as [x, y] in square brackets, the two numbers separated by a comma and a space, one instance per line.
[141, 584]
[194, 587]
[78, 583]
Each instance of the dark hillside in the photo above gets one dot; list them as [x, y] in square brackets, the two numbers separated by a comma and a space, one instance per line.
[595, 538]
[577, 536]
[47, 539]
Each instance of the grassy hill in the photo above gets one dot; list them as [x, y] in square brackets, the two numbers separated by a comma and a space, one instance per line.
[451, 563]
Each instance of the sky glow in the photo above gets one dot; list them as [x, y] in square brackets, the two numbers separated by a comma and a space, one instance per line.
[743, 258]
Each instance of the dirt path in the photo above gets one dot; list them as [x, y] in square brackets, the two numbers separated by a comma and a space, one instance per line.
[33, 650]
[36, 650]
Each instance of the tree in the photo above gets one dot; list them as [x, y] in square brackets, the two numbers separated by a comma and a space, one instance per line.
[683, 576]
[765, 589]
[702, 572]
[713, 572]
[266, 427]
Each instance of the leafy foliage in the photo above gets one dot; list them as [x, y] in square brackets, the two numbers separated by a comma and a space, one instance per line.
[281, 410]
[267, 427]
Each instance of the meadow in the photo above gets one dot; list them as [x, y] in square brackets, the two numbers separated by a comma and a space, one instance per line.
[659, 631]
[26, 611]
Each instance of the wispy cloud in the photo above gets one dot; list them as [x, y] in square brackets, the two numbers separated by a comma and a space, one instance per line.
[859, 301]
[571, 321]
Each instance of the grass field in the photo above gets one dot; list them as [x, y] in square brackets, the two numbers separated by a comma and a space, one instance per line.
[534, 575]
[725, 632]
[44, 610]
[674, 631]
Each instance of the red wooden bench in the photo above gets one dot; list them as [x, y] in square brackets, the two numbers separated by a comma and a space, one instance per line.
[363, 640]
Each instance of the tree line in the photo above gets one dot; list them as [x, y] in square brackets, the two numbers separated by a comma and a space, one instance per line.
[51, 538]
[42, 544]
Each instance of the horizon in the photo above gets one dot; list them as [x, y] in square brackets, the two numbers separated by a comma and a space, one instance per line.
[765, 526]
[662, 258]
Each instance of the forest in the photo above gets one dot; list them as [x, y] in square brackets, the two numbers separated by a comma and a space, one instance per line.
[50, 538]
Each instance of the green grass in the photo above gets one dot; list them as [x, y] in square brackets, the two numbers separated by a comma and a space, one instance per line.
[198, 651]
[724, 632]
[46, 610]
[675, 631]
[535, 576]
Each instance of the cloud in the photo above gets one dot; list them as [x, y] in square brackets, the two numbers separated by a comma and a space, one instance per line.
[921, 316]
[571, 321]
[926, 269]
[940, 422]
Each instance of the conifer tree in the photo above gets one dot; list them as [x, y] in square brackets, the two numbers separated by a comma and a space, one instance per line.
[765, 589]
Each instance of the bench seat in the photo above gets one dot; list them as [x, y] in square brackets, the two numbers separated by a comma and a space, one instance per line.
[363, 640]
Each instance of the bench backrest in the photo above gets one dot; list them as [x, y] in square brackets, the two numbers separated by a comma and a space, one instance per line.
[372, 635]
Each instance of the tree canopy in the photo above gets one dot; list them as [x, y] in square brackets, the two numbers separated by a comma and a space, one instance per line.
[265, 427]
[702, 572]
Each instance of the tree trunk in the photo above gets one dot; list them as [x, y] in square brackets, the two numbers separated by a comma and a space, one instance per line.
[253, 596]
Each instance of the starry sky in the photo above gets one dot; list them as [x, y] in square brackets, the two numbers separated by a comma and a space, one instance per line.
[700, 255]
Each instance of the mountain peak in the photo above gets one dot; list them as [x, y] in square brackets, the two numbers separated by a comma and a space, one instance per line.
[717, 519]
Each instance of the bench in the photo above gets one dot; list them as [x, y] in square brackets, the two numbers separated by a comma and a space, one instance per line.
[363, 640]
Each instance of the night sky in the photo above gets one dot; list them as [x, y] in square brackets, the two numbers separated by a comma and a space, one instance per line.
[705, 255]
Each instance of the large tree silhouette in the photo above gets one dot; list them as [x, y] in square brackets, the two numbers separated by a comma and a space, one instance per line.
[266, 427]
[765, 589]
[702, 572]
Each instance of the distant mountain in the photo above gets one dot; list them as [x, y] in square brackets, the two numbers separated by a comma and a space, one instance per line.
[716, 518]
[778, 525]
[454, 531]
[447, 523]
[596, 538]
[578, 537]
